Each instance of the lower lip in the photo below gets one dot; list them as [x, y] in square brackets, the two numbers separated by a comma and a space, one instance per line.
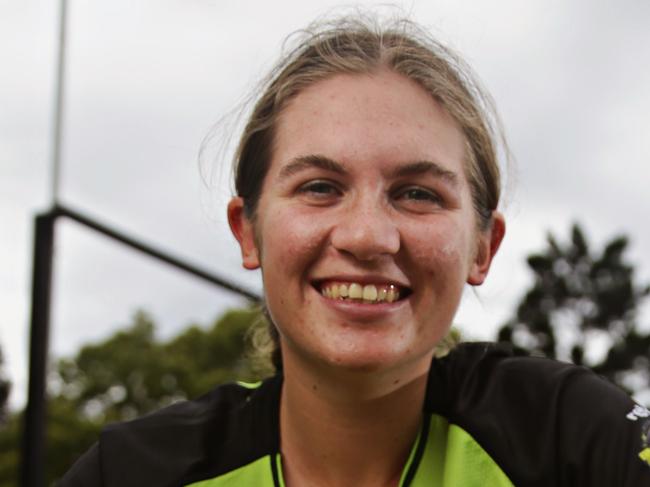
[362, 311]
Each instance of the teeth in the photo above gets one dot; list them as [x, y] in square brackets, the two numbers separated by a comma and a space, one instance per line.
[355, 291]
[343, 290]
[392, 295]
[368, 293]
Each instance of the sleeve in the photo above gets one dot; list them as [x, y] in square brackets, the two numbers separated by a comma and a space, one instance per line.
[86, 472]
[542, 421]
[603, 436]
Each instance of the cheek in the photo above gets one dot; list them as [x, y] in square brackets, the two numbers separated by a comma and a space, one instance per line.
[289, 241]
[445, 245]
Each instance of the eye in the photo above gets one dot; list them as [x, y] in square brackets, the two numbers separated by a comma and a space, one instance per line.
[320, 189]
[418, 195]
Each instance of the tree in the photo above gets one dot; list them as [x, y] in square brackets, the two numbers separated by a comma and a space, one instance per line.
[583, 307]
[5, 389]
[132, 373]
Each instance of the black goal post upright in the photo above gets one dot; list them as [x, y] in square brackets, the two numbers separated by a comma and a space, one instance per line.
[33, 439]
[32, 469]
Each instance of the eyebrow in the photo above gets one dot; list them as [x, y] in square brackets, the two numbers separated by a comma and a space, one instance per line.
[301, 163]
[423, 167]
[416, 168]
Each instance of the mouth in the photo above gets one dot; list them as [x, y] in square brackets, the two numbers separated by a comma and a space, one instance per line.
[357, 292]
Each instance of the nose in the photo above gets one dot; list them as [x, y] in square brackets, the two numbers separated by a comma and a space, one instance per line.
[367, 231]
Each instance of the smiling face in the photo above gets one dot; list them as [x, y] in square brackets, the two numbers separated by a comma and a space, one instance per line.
[365, 230]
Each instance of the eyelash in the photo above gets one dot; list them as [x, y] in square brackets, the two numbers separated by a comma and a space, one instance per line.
[316, 187]
[323, 189]
[422, 194]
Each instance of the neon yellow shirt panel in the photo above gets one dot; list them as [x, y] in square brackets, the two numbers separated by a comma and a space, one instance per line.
[452, 458]
[257, 473]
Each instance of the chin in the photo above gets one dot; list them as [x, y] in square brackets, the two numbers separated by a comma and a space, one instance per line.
[357, 359]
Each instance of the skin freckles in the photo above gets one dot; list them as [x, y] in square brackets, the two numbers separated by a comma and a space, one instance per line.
[346, 198]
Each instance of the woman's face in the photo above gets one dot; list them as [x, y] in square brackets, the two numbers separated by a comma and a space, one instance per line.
[366, 195]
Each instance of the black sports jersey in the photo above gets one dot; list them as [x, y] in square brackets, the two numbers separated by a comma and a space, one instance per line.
[490, 419]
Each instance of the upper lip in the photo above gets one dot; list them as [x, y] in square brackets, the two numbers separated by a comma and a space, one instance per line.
[361, 279]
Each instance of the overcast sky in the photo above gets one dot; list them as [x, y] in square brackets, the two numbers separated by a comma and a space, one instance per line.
[146, 81]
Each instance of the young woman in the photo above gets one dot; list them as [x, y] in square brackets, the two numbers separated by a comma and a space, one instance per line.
[367, 193]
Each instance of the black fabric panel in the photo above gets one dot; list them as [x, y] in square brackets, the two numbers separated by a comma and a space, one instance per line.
[189, 441]
[86, 472]
[544, 422]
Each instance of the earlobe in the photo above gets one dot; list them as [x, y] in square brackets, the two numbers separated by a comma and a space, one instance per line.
[489, 242]
[242, 229]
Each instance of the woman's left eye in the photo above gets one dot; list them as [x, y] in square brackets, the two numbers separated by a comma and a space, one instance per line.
[418, 194]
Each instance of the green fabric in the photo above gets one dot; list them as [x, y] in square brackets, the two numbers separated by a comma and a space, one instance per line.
[257, 473]
[645, 455]
[250, 385]
[278, 463]
[464, 464]
[410, 459]
[431, 466]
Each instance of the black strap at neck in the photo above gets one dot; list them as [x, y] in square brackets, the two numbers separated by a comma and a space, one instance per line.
[419, 451]
[274, 469]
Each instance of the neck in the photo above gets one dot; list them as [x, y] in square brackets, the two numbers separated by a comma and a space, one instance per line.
[350, 427]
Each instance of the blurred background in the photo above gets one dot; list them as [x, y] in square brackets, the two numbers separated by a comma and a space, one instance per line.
[147, 82]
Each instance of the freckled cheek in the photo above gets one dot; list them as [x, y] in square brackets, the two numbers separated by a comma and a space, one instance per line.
[439, 248]
[290, 241]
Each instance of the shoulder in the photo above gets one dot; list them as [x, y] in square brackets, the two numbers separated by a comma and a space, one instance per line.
[474, 370]
[496, 374]
[547, 422]
[189, 441]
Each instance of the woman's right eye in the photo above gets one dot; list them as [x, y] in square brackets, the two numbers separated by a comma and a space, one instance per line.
[319, 189]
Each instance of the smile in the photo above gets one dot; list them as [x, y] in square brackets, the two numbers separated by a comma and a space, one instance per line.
[362, 293]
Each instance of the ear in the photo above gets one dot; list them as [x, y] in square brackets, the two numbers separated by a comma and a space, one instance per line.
[242, 228]
[488, 244]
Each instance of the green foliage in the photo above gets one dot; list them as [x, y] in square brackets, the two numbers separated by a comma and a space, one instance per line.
[132, 373]
[68, 435]
[9, 450]
[581, 301]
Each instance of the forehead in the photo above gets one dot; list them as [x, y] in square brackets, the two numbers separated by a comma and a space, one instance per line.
[383, 118]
